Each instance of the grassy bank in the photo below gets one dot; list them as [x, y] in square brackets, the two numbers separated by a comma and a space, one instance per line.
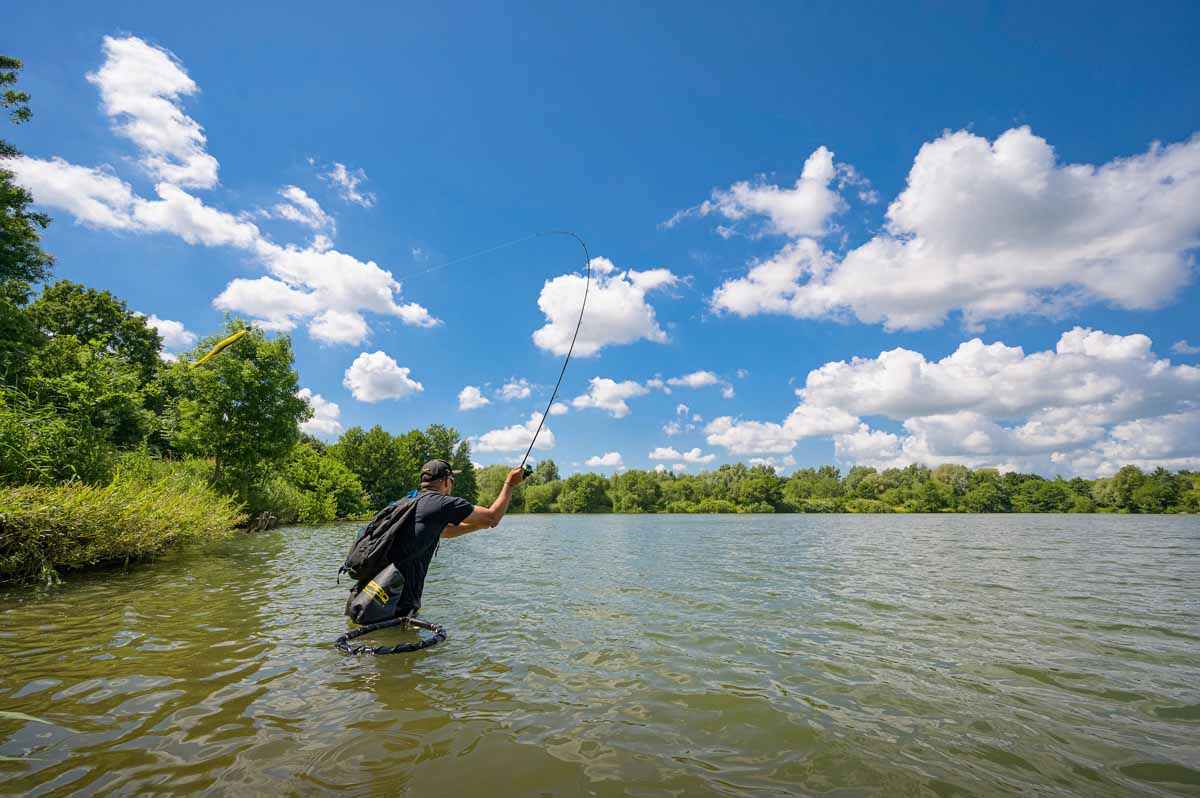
[47, 529]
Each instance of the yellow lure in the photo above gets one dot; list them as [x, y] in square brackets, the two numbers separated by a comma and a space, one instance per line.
[216, 349]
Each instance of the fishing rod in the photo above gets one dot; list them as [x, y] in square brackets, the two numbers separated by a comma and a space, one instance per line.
[587, 263]
[587, 259]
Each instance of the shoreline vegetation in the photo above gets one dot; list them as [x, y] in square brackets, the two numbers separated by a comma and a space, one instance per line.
[112, 450]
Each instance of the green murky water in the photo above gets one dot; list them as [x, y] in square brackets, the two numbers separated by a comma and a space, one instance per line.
[647, 656]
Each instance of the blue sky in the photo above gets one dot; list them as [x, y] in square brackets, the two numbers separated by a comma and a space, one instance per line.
[1015, 147]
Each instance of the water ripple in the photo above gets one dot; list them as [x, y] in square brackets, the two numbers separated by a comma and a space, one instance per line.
[732, 656]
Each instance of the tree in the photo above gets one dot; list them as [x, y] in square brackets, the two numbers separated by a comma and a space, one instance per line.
[1158, 492]
[861, 482]
[542, 498]
[1124, 484]
[465, 484]
[584, 493]
[387, 467]
[930, 497]
[100, 320]
[986, 497]
[96, 388]
[240, 408]
[810, 483]
[1044, 496]
[635, 492]
[761, 490]
[331, 490]
[22, 261]
[955, 477]
[546, 471]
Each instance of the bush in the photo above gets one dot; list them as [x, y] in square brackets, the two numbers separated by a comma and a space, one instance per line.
[715, 506]
[823, 506]
[330, 489]
[542, 498]
[278, 498]
[47, 528]
[867, 506]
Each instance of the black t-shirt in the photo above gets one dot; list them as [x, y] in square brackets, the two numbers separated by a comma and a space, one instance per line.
[412, 555]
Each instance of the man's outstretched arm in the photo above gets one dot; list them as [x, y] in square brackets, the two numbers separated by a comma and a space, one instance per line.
[488, 517]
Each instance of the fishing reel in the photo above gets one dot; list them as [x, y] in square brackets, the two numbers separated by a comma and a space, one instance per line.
[528, 471]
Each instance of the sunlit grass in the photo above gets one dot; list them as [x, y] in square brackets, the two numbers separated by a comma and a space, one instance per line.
[46, 529]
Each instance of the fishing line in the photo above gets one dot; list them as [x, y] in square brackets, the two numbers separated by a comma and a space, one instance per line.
[587, 258]
[587, 262]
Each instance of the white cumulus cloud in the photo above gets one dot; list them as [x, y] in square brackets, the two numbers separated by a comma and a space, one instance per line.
[375, 376]
[470, 398]
[610, 395]
[516, 438]
[617, 311]
[514, 389]
[698, 457]
[175, 336]
[606, 460]
[697, 379]
[802, 210]
[558, 409]
[994, 229]
[339, 327]
[1093, 403]
[324, 422]
[140, 87]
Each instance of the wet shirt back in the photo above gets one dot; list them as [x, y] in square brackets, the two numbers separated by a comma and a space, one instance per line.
[412, 552]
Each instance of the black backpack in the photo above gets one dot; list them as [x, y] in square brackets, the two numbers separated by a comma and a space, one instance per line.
[369, 553]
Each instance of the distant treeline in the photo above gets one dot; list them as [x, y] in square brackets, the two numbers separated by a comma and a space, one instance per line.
[739, 488]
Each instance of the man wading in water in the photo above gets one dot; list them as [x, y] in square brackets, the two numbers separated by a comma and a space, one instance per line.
[396, 591]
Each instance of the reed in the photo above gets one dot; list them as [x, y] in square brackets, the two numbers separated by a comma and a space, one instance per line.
[45, 529]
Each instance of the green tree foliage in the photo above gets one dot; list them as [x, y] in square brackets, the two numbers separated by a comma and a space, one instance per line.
[545, 472]
[22, 260]
[760, 489]
[811, 483]
[635, 492]
[102, 321]
[383, 465]
[543, 498]
[986, 497]
[240, 408]
[390, 466]
[329, 489]
[585, 493]
[40, 445]
[91, 386]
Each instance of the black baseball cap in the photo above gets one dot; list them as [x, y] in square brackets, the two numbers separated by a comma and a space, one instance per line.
[436, 471]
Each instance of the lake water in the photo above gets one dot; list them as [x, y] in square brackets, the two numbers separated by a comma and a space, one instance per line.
[632, 655]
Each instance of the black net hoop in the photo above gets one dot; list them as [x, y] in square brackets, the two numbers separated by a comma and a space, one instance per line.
[438, 634]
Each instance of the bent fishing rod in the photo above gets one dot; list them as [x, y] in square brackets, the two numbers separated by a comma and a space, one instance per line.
[587, 263]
